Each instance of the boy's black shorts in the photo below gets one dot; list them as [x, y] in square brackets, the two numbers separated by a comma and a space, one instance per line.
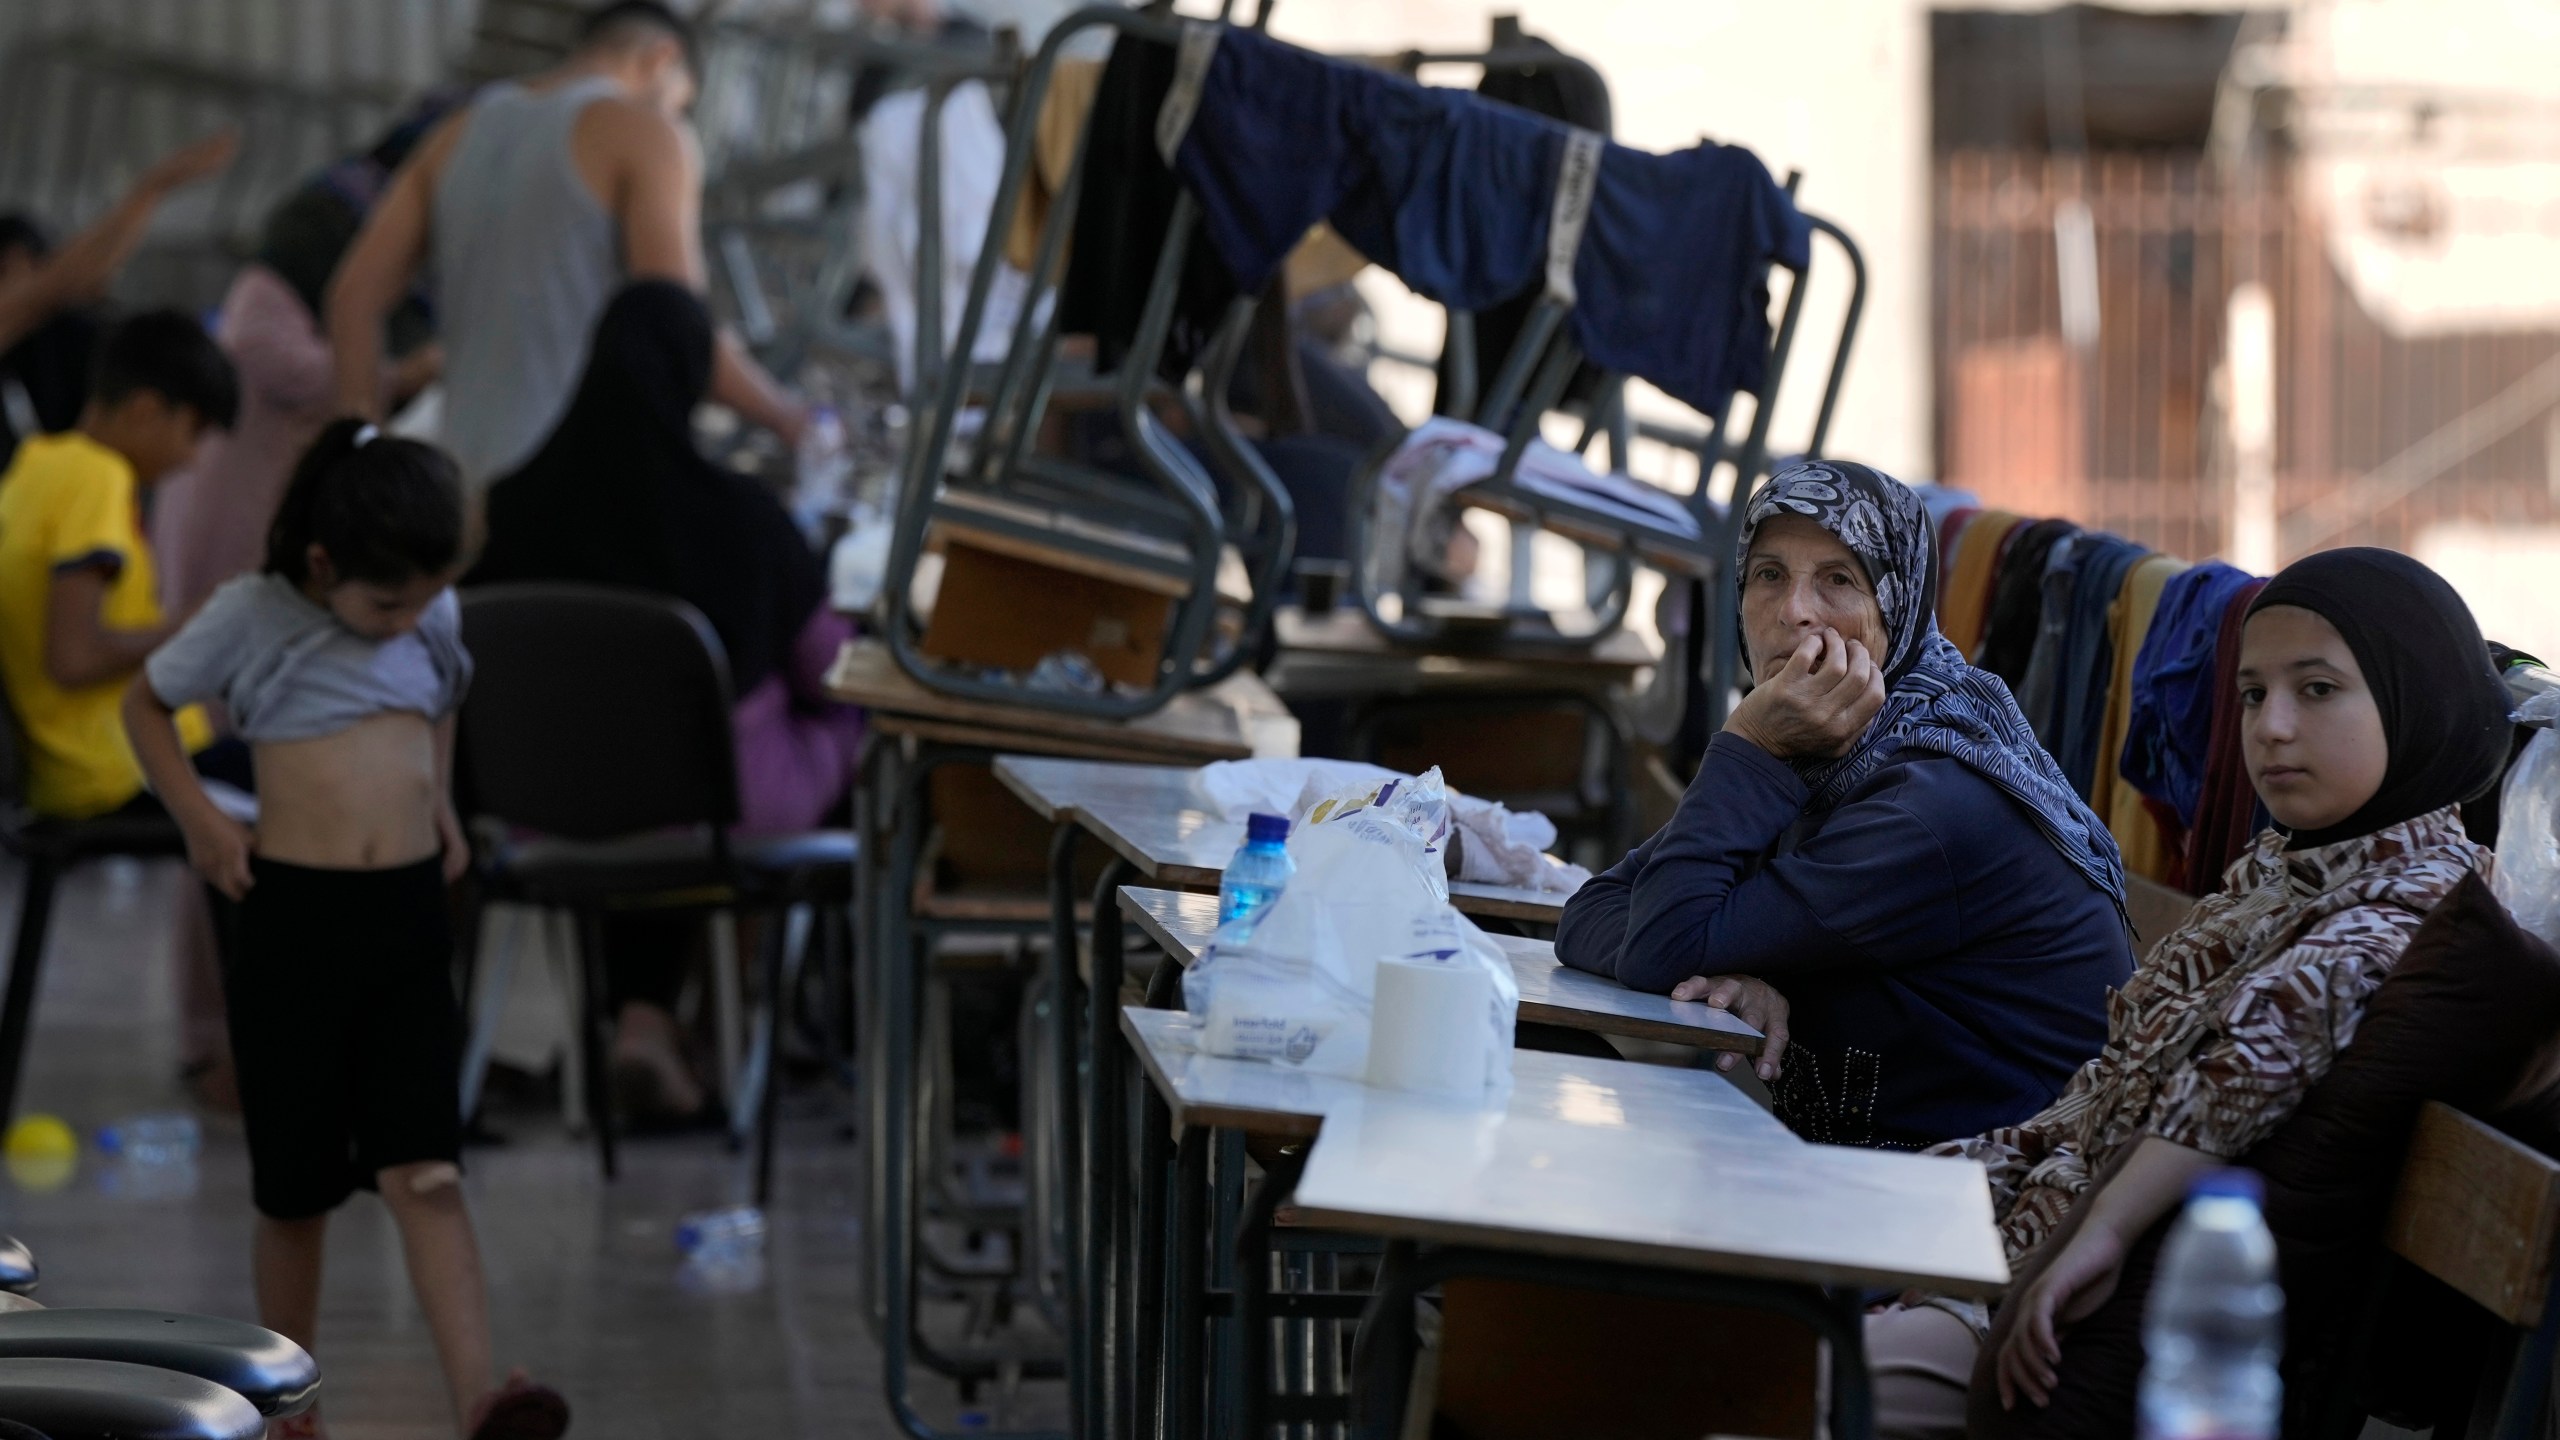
[345, 1029]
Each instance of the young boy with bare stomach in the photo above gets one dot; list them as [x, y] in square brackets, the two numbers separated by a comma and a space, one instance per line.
[342, 665]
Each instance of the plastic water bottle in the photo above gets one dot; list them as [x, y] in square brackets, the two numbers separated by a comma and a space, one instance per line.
[1260, 870]
[722, 1237]
[160, 1139]
[821, 467]
[2215, 1326]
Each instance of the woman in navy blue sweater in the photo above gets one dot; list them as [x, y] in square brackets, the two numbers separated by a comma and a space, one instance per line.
[1877, 864]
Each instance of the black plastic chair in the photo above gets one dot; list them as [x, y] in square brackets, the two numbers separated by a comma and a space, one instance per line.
[272, 1373]
[69, 1399]
[48, 847]
[599, 719]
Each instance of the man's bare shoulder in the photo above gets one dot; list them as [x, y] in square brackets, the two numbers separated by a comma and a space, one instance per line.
[630, 132]
[429, 159]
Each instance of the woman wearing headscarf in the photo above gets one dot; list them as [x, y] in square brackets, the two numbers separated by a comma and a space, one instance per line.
[620, 495]
[1876, 864]
[2370, 711]
[210, 523]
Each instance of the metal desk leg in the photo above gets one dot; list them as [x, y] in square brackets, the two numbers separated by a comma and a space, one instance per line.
[1149, 1342]
[1382, 1349]
[875, 822]
[1105, 1125]
[893, 1104]
[1227, 1337]
[1185, 1381]
[1253, 1290]
[1853, 1396]
[1067, 1001]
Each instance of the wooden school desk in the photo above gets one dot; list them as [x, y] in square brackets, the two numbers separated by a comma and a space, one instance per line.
[912, 731]
[1339, 655]
[1181, 924]
[1151, 817]
[1148, 817]
[1581, 1188]
[1196, 1104]
[1547, 726]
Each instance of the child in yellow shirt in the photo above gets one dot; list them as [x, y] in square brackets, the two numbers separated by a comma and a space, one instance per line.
[79, 595]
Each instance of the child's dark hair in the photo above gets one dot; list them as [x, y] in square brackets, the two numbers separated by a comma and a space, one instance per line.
[386, 510]
[167, 353]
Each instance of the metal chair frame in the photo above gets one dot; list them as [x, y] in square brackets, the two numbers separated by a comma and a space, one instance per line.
[1234, 499]
[1518, 403]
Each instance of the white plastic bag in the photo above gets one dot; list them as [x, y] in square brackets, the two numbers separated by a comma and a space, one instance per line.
[1499, 845]
[1295, 984]
[2528, 875]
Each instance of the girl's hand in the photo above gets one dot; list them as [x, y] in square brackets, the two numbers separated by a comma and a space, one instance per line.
[457, 845]
[2069, 1290]
[1756, 1003]
[218, 847]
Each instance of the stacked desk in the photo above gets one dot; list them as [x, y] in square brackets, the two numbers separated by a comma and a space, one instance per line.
[1338, 655]
[1487, 713]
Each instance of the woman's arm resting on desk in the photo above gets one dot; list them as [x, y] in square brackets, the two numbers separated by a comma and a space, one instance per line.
[2081, 1277]
[1756, 1002]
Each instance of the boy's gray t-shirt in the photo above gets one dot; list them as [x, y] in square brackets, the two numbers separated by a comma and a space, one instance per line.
[287, 670]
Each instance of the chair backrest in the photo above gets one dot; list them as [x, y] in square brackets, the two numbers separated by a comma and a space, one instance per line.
[595, 713]
[2480, 1212]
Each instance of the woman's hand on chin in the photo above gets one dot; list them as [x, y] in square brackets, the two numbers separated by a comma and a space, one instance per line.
[1756, 1003]
[1818, 705]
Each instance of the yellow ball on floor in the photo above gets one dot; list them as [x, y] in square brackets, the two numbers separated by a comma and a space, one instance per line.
[41, 1137]
[42, 1153]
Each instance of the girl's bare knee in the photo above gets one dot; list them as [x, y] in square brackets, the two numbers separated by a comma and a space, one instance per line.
[427, 1181]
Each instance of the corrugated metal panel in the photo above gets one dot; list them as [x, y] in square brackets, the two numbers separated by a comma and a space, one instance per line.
[91, 91]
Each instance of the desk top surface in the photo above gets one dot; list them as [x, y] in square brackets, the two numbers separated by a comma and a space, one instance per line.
[1282, 1100]
[1599, 1160]
[1588, 1162]
[1199, 725]
[1550, 993]
[1151, 816]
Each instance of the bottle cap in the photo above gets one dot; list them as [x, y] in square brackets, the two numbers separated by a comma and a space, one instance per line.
[1259, 828]
[2231, 1184]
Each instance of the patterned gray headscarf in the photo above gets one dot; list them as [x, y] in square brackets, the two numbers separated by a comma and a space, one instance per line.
[1933, 700]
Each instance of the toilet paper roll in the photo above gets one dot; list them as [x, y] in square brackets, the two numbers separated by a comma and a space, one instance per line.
[1427, 1029]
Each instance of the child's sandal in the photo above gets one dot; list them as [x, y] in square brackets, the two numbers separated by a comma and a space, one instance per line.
[522, 1410]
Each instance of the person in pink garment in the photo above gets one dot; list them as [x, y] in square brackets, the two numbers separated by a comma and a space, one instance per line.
[210, 523]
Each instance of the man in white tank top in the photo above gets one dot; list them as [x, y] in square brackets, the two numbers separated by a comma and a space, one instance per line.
[535, 204]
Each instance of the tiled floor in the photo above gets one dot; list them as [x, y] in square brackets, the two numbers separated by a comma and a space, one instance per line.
[585, 1286]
